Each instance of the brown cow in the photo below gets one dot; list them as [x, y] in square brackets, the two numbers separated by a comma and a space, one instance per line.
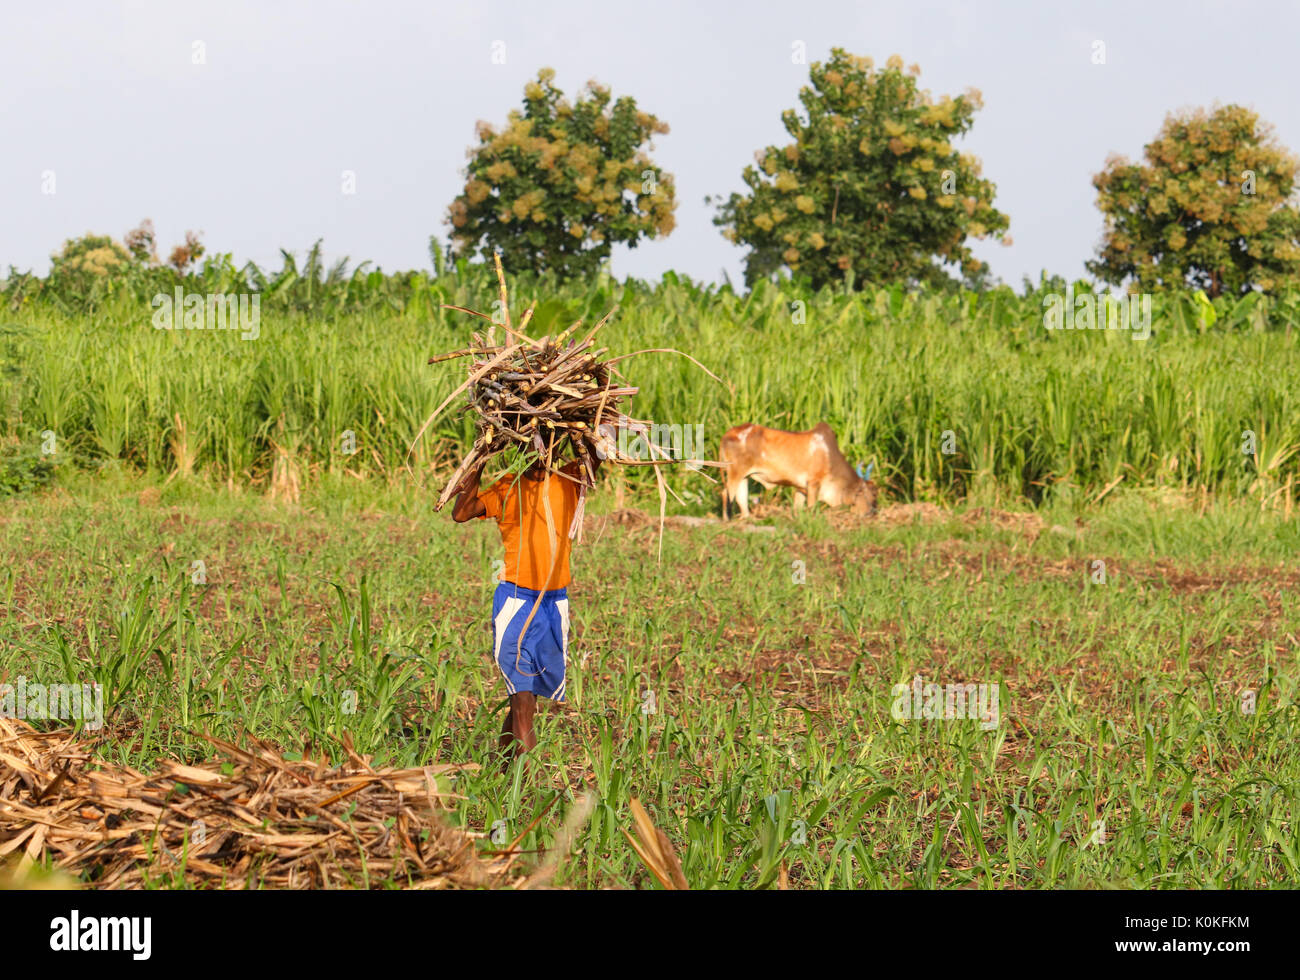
[811, 462]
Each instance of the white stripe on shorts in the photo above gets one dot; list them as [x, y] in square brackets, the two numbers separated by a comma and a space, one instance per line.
[511, 606]
[562, 606]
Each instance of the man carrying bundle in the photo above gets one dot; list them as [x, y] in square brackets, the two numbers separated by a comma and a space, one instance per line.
[543, 400]
[530, 608]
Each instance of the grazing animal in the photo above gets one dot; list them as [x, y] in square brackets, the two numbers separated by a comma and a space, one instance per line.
[811, 462]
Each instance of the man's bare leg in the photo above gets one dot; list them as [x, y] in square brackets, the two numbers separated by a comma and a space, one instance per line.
[522, 708]
[517, 729]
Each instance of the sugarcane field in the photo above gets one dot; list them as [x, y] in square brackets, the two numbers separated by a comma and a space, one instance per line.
[534, 468]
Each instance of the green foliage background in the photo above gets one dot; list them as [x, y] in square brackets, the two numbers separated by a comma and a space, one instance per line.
[1034, 413]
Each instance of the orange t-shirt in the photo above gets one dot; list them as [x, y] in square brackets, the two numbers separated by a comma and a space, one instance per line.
[518, 507]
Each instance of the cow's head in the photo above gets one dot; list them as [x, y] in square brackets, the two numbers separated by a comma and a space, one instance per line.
[865, 493]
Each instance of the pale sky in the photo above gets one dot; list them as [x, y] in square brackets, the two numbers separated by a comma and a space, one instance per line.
[249, 148]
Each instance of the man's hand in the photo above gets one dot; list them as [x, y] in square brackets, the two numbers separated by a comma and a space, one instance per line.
[468, 506]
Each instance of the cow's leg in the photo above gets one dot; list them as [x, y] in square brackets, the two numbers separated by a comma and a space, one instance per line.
[814, 494]
[799, 501]
[741, 492]
[733, 491]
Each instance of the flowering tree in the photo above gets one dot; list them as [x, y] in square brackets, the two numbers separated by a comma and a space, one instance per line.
[562, 182]
[871, 188]
[1213, 206]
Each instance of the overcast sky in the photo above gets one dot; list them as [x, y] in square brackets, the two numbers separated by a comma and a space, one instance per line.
[249, 147]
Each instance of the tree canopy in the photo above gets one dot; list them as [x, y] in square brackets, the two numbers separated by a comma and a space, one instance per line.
[1212, 206]
[871, 189]
[562, 182]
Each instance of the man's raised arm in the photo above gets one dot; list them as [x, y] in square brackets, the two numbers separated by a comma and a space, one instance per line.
[468, 506]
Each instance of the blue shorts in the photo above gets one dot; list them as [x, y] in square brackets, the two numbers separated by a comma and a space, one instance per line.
[539, 666]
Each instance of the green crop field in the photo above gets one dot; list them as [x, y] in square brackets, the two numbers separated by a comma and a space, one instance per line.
[1096, 529]
[742, 686]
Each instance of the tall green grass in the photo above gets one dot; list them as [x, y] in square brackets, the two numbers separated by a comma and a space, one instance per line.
[902, 377]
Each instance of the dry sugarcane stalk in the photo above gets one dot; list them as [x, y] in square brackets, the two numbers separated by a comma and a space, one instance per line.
[259, 819]
[549, 399]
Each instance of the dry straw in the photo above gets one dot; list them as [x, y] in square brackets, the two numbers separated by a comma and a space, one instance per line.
[254, 820]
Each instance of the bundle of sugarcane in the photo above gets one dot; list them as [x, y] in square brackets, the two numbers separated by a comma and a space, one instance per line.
[549, 397]
[553, 399]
